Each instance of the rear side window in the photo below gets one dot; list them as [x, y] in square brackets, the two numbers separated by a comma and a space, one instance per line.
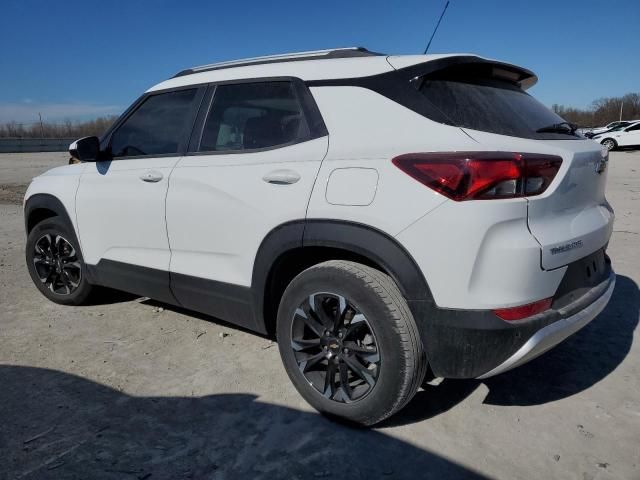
[157, 127]
[634, 128]
[250, 116]
[488, 104]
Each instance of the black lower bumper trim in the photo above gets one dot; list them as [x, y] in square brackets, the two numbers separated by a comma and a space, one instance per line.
[469, 343]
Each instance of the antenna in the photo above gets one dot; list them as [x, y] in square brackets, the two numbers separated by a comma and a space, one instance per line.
[437, 25]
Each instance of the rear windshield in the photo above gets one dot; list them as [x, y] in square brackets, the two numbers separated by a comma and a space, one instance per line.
[489, 104]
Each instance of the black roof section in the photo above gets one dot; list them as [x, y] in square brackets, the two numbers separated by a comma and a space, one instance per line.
[292, 57]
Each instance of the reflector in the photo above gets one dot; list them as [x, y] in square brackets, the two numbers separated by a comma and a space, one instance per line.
[524, 311]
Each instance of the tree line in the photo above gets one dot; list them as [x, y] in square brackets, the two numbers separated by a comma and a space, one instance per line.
[67, 129]
[602, 111]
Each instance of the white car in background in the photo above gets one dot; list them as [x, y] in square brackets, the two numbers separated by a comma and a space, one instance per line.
[610, 126]
[626, 136]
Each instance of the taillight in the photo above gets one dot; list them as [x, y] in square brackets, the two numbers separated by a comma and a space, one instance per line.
[481, 175]
[524, 311]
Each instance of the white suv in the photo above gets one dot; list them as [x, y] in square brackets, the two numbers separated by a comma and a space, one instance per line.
[383, 216]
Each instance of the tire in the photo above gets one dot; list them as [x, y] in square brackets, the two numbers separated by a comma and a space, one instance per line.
[58, 272]
[368, 321]
[609, 143]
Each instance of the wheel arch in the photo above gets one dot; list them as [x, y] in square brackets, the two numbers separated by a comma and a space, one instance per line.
[292, 247]
[41, 206]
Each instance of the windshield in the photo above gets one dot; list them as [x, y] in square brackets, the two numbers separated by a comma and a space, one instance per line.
[618, 124]
[489, 104]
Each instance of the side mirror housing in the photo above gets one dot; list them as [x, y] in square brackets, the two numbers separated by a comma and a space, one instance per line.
[86, 149]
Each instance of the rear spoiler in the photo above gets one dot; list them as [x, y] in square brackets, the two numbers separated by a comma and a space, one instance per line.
[421, 65]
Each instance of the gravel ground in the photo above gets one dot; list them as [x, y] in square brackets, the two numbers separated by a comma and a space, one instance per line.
[135, 389]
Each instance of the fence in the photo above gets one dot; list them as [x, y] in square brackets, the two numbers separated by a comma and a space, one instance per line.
[11, 145]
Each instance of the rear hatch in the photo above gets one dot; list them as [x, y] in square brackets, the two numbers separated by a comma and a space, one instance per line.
[571, 218]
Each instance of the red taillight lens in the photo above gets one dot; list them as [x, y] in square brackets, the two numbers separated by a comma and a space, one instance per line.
[481, 175]
[524, 311]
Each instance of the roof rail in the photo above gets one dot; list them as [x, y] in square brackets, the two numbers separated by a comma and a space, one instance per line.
[349, 52]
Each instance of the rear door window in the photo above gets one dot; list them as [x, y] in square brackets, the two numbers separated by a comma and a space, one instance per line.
[477, 101]
[157, 127]
[253, 116]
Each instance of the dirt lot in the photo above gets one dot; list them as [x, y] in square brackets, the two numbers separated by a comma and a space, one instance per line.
[134, 389]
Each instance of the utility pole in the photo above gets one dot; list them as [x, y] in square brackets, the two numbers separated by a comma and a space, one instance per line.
[621, 104]
[41, 127]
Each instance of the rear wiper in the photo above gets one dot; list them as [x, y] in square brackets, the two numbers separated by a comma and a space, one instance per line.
[562, 127]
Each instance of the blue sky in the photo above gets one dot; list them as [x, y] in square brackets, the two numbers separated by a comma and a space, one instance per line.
[79, 59]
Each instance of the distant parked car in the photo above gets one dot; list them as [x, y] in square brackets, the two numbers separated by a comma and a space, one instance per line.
[590, 134]
[610, 126]
[624, 136]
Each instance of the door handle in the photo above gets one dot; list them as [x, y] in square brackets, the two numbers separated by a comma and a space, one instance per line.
[151, 176]
[282, 177]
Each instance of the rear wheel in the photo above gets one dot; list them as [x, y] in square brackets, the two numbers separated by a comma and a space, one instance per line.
[609, 143]
[55, 263]
[349, 342]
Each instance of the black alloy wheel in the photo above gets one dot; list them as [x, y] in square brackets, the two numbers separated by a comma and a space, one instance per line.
[56, 264]
[335, 347]
[349, 342]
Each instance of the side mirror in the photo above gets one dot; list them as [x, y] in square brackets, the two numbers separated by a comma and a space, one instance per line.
[86, 149]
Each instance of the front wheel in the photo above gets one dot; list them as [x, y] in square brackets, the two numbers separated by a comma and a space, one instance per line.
[609, 144]
[55, 263]
[349, 342]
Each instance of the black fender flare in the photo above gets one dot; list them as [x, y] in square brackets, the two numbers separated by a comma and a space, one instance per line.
[375, 245]
[357, 238]
[48, 202]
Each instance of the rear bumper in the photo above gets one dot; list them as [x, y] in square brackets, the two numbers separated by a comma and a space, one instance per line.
[549, 336]
[478, 344]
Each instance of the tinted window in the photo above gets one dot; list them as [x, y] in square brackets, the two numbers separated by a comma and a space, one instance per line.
[157, 127]
[247, 116]
[488, 104]
[634, 128]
